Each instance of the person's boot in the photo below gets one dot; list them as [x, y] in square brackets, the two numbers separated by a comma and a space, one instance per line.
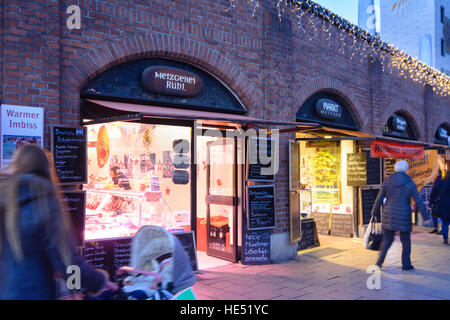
[439, 232]
[408, 267]
[434, 231]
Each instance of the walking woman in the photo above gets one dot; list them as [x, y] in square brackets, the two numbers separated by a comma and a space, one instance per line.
[35, 236]
[443, 199]
[398, 190]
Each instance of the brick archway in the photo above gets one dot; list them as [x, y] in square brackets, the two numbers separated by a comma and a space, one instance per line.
[153, 45]
[389, 111]
[314, 86]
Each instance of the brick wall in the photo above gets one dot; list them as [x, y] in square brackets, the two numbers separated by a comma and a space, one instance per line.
[271, 65]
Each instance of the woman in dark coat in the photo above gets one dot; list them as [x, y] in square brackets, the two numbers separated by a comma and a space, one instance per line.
[444, 205]
[437, 185]
[397, 215]
[35, 235]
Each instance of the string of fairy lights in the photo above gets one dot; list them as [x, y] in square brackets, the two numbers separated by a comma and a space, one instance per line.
[319, 20]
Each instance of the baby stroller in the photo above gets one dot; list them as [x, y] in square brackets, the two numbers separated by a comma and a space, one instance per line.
[159, 267]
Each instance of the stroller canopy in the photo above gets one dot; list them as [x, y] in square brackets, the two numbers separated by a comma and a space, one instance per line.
[152, 245]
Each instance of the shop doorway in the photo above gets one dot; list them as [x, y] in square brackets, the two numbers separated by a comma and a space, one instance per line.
[217, 195]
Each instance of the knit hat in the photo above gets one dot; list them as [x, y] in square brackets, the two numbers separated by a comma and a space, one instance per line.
[401, 166]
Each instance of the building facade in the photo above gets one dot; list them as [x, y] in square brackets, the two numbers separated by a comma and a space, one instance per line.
[429, 43]
[270, 67]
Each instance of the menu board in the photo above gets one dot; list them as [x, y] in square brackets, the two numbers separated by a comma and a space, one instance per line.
[109, 255]
[322, 220]
[261, 207]
[342, 225]
[76, 205]
[256, 247]
[373, 166]
[187, 240]
[368, 197]
[69, 147]
[294, 217]
[356, 169]
[256, 158]
[389, 165]
[310, 238]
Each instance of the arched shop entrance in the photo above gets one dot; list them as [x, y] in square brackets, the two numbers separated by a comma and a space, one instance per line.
[159, 153]
[321, 186]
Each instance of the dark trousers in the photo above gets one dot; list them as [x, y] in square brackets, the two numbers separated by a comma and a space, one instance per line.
[388, 238]
[435, 222]
[445, 229]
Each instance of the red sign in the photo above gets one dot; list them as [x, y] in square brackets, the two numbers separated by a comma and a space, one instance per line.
[396, 150]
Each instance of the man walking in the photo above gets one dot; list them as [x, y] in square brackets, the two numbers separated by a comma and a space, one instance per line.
[397, 216]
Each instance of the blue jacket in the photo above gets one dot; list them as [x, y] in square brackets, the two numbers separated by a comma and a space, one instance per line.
[398, 190]
[33, 277]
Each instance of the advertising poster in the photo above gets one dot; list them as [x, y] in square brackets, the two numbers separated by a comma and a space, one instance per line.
[423, 172]
[19, 126]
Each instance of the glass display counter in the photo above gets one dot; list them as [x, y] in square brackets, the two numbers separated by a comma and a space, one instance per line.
[116, 213]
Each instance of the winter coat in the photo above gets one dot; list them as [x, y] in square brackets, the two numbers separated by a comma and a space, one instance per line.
[398, 190]
[33, 278]
[443, 189]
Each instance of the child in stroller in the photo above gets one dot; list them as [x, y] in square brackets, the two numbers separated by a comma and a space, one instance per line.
[159, 267]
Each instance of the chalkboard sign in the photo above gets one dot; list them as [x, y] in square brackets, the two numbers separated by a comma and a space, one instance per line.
[187, 240]
[76, 205]
[69, 147]
[322, 220]
[368, 197]
[389, 165]
[342, 225]
[261, 207]
[310, 238]
[256, 161]
[256, 247]
[373, 166]
[356, 170]
[108, 254]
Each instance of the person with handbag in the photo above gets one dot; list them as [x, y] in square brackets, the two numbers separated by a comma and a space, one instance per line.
[35, 235]
[397, 216]
[433, 204]
[443, 205]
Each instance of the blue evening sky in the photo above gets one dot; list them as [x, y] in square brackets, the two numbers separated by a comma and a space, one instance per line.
[347, 9]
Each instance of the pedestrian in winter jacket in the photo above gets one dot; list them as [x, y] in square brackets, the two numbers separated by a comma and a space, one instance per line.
[443, 196]
[397, 215]
[435, 190]
[35, 235]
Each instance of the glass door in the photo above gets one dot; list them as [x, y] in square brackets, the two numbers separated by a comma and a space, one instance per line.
[217, 194]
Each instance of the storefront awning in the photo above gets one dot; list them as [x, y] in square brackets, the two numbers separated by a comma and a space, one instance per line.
[332, 134]
[108, 111]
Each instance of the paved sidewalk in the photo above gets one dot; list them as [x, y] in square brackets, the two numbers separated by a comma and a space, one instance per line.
[336, 270]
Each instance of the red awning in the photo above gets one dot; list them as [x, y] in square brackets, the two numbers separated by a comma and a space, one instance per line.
[133, 111]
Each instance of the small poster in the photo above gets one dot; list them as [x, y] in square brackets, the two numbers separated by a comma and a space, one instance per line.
[167, 165]
[19, 126]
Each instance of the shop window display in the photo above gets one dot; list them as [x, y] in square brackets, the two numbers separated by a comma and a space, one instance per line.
[135, 178]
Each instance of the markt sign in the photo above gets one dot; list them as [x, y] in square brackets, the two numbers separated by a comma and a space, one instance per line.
[19, 126]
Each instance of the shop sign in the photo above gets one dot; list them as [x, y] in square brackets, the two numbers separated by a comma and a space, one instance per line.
[442, 133]
[396, 150]
[328, 109]
[171, 81]
[423, 172]
[399, 124]
[20, 126]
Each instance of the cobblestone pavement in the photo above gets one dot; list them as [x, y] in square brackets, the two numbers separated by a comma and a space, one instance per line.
[336, 270]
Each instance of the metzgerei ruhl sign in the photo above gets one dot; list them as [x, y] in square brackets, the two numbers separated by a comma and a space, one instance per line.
[396, 150]
[68, 145]
[171, 81]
